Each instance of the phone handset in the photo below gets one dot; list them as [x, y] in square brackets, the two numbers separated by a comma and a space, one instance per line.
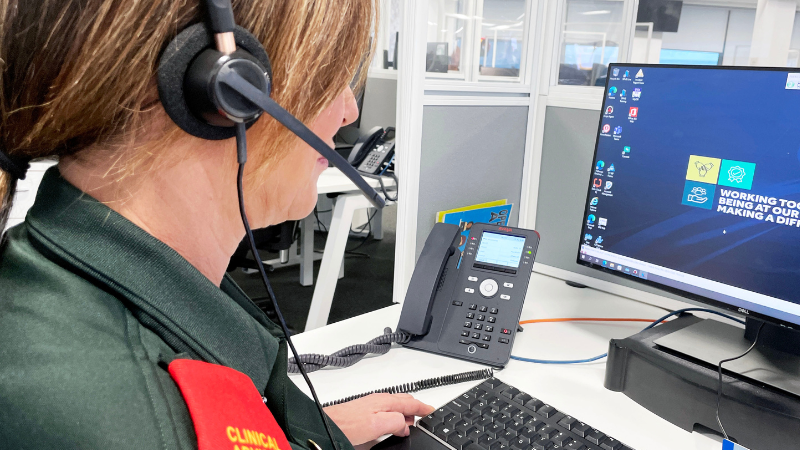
[440, 245]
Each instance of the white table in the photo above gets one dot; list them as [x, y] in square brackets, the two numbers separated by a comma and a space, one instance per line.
[332, 180]
[573, 389]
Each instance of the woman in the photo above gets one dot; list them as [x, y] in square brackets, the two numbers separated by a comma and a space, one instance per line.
[119, 268]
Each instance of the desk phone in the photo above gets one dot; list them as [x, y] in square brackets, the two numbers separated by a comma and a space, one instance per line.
[467, 305]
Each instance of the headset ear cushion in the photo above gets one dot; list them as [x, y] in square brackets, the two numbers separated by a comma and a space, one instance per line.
[174, 64]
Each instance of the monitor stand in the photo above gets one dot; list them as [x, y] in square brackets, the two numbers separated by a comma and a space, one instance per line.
[775, 361]
[676, 378]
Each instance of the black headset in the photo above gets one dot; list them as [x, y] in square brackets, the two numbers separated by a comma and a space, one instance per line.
[215, 75]
[214, 80]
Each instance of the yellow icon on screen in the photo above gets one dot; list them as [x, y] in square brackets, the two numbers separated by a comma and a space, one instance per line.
[703, 169]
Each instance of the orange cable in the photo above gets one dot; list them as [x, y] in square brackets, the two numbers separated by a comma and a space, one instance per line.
[585, 319]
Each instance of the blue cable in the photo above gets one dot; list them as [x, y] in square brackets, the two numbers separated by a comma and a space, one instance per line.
[655, 322]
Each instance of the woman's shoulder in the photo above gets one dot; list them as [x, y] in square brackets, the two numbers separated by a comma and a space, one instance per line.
[75, 364]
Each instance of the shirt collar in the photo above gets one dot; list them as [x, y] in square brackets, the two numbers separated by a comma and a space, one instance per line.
[216, 323]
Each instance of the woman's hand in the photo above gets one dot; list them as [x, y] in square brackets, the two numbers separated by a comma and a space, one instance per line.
[367, 418]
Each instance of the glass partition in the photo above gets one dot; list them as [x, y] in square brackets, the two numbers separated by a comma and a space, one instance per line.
[591, 35]
[502, 34]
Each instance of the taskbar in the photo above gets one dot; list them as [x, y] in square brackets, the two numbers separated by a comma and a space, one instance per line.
[613, 264]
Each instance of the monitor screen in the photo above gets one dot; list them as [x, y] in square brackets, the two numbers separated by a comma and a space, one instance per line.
[500, 249]
[665, 15]
[695, 185]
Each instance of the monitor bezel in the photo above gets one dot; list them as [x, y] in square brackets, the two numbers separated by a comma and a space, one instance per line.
[673, 290]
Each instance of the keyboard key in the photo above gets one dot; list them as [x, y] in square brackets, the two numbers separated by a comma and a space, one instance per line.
[481, 317]
[522, 417]
[610, 444]
[465, 333]
[474, 433]
[443, 432]
[487, 337]
[473, 446]
[508, 434]
[478, 326]
[485, 441]
[467, 324]
[547, 411]
[493, 382]
[489, 328]
[504, 421]
[542, 444]
[595, 436]
[483, 423]
[498, 446]
[568, 422]
[510, 392]
[458, 441]
[491, 319]
[548, 431]
[476, 335]
[561, 439]
[521, 442]
[509, 410]
[441, 413]
[483, 309]
[470, 417]
[473, 306]
[521, 398]
[493, 311]
[428, 423]
[534, 404]
[470, 315]
[575, 445]
[580, 429]
[458, 407]
[494, 430]
[463, 427]
[536, 424]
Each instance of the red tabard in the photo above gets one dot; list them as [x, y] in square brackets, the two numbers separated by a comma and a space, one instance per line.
[226, 408]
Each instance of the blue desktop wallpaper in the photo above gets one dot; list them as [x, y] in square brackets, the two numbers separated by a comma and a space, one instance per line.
[698, 136]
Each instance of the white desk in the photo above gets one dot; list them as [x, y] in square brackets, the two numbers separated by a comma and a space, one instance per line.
[332, 180]
[575, 389]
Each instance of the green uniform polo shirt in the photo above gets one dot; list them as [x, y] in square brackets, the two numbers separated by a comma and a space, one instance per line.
[93, 309]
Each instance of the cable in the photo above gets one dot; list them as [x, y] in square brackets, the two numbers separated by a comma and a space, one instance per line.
[595, 358]
[241, 152]
[348, 356]
[427, 383]
[719, 373]
[319, 222]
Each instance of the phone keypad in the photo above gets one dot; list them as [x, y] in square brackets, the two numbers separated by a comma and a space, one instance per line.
[478, 326]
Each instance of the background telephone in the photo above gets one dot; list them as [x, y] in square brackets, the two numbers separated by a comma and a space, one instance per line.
[374, 151]
[468, 306]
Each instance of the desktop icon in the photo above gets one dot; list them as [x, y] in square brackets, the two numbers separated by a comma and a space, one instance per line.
[637, 93]
[639, 74]
[613, 266]
[597, 182]
[594, 201]
[608, 185]
[699, 195]
[590, 219]
[587, 237]
[622, 94]
[610, 110]
[626, 151]
[605, 263]
[606, 128]
[615, 72]
[611, 169]
[602, 222]
[627, 74]
[634, 112]
[600, 165]
[617, 130]
[612, 90]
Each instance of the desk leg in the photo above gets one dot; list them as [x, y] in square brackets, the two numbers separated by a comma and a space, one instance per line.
[377, 225]
[332, 259]
[307, 251]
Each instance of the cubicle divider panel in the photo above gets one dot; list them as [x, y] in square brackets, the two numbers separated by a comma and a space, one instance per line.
[469, 155]
[380, 104]
[567, 156]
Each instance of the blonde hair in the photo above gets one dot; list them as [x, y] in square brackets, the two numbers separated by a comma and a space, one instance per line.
[78, 73]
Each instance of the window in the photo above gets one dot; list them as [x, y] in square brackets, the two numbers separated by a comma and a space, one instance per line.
[388, 34]
[591, 35]
[502, 34]
[475, 40]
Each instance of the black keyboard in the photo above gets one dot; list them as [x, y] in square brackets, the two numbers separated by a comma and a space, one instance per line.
[494, 415]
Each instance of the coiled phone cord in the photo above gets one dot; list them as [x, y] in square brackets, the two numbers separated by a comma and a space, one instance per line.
[348, 356]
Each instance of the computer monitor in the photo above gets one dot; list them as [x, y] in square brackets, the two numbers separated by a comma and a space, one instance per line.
[695, 189]
[695, 185]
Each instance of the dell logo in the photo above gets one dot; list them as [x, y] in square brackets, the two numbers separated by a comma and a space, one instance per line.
[744, 311]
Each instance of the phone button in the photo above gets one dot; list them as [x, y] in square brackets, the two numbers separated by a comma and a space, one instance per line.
[471, 278]
[472, 349]
[469, 290]
[505, 297]
[488, 287]
[508, 285]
